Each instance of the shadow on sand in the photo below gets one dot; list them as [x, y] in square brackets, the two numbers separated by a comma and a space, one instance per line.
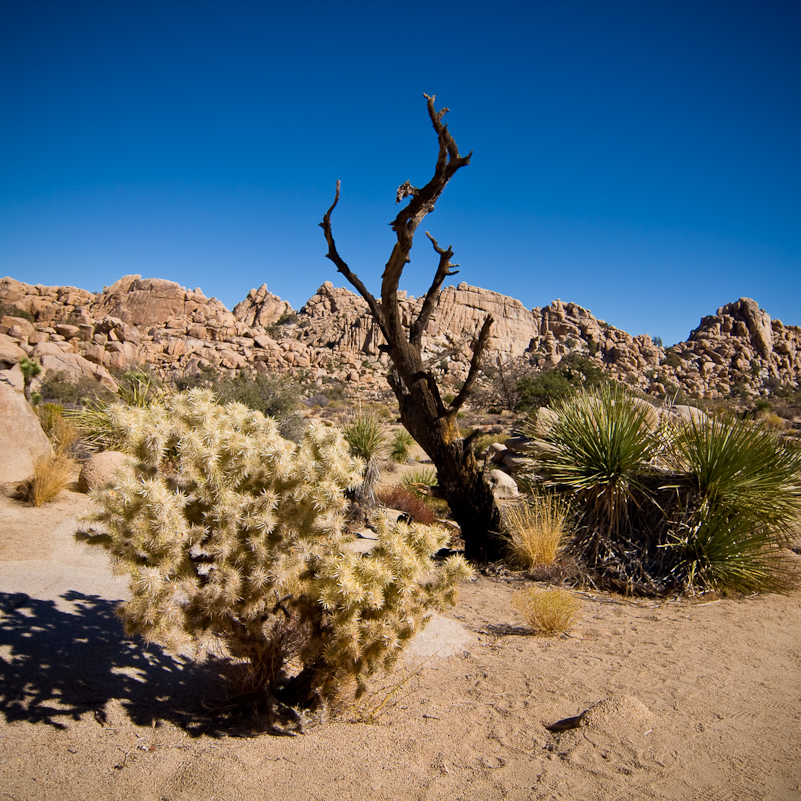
[58, 665]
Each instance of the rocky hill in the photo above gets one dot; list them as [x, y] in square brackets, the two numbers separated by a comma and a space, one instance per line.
[180, 331]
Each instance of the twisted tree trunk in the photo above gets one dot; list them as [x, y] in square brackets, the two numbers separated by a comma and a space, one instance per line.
[422, 409]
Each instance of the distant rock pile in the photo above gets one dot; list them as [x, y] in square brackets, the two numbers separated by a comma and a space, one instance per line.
[180, 332]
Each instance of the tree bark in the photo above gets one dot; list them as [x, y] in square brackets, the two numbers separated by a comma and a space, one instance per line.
[422, 410]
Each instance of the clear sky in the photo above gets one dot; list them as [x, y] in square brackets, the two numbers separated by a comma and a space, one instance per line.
[642, 158]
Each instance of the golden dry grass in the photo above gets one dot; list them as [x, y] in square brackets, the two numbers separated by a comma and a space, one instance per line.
[51, 475]
[536, 530]
[547, 612]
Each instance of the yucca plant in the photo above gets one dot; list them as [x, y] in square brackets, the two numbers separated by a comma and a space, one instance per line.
[742, 482]
[597, 453]
[707, 503]
[421, 480]
[94, 420]
[401, 446]
[367, 438]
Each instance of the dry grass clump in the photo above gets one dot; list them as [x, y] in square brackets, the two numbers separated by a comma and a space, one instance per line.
[59, 430]
[398, 497]
[536, 530]
[547, 612]
[51, 474]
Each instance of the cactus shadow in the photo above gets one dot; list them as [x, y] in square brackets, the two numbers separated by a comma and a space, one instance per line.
[60, 661]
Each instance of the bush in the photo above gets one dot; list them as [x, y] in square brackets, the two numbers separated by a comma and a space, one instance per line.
[227, 529]
[58, 387]
[273, 395]
[547, 612]
[398, 497]
[574, 372]
[401, 447]
[710, 504]
[536, 530]
[13, 311]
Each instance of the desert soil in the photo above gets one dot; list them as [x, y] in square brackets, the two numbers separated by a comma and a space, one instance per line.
[698, 700]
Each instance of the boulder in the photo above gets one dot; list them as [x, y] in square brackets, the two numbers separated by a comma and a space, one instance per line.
[503, 485]
[10, 352]
[99, 470]
[22, 440]
[76, 367]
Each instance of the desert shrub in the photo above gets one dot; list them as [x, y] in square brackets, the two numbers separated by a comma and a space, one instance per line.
[551, 386]
[536, 530]
[398, 497]
[58, 387]
[401, 446]
[705, 504]
[227, 529]
[271, 394]
[547, 612]
[51, 474]
[13, 311]
[318, 399]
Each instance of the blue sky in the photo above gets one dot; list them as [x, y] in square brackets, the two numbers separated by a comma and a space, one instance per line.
[642, 159]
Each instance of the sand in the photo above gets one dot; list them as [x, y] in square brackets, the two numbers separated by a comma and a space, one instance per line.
[677, 700]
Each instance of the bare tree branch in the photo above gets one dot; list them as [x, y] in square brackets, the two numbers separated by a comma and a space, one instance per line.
[418, 327]
[475, 367]
[343, 268]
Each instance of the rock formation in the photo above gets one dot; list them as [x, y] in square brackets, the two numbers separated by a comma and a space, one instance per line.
[180, 331]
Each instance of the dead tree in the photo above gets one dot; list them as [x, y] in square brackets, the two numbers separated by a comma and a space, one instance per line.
[424, 413]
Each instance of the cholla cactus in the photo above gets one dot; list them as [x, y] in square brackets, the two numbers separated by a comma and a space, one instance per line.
[227, 529]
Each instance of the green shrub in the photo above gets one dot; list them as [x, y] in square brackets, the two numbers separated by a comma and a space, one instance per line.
[227, 529]
[13, 311]
[273, 395]
[706, 504]
[551, 386]
[401, 447]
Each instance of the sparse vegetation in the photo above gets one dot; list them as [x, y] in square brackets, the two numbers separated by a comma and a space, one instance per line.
[548, 612]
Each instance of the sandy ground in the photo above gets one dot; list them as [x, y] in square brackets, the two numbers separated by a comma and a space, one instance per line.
[705, 700]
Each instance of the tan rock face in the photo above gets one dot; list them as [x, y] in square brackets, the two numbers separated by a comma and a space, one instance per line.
[21, 437]
[177, 330]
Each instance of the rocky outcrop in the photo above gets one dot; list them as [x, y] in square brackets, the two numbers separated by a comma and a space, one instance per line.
[180, 331]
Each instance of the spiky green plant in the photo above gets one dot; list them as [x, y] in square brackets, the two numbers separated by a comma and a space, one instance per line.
[743, 484]
[708, 503]
[421, 480]
[227, 529]
[367, 438]
[402, 443]
[595, 452]
[30, 369]
[94, 420]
